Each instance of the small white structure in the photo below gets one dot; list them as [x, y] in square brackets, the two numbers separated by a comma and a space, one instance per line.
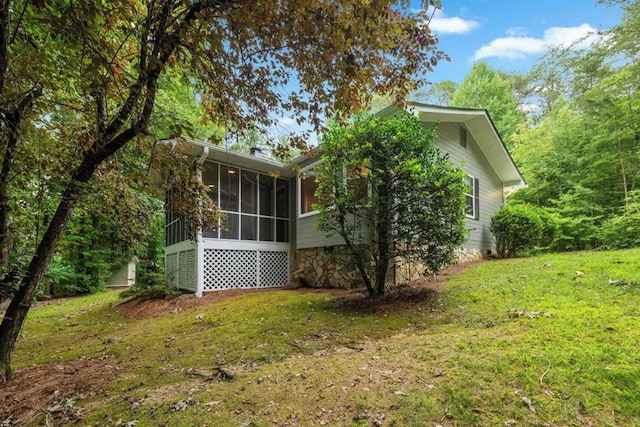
[125, 276]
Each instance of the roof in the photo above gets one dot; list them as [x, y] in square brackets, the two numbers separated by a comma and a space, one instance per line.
[479, 124]
[195, 148]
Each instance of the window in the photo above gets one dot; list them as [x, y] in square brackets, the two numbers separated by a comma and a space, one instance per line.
[357, 183]
[472, 208]
[463, 137]
[282, 198]
[210, 179]
[249, 192]
[308, 187]
[175, 229]
[255, 206]
[266, 195]
[352, 177]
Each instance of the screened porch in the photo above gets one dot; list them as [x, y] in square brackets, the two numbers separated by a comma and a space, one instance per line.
[251, 245]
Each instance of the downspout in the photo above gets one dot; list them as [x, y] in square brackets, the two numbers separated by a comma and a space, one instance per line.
[204, 156]
[199, 242]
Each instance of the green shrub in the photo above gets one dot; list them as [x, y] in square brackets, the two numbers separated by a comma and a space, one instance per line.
[84, 271]
[549, 228]
[620, 232]
[515, 228]
[623, 230]
[575, 233]
[150, 285]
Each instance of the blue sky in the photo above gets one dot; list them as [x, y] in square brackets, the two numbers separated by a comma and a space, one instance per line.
[511, 35]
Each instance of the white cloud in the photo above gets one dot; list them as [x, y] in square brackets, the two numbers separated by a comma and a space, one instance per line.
[566, 36]
[517, 46]
[286, 121]
[517, 32]
[442, 24]
[511, 48]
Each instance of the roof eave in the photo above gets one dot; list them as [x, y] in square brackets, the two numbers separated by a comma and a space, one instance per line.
[501, 161]
[195, 148]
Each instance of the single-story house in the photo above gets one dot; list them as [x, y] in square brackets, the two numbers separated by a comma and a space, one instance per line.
[268, 235]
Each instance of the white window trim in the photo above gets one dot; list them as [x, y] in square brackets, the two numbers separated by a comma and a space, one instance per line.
[474, 214]
[299, 191]
[316, 212]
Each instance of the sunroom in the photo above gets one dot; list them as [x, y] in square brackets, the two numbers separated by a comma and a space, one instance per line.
[251, 246]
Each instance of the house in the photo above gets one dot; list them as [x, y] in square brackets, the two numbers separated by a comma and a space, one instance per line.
[268, 234]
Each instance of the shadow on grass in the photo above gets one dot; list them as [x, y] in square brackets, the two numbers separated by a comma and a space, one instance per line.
[414, 296]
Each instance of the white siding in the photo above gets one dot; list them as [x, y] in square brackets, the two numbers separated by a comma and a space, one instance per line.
[473, 161]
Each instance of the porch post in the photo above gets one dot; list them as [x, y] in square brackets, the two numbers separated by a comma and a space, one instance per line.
[199, 241]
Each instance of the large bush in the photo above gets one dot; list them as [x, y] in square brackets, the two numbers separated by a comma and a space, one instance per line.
[390, 194]
[519, 227]
[577, 215]
[549, 228]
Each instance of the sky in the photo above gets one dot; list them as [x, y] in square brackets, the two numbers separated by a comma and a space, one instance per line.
[510, 35]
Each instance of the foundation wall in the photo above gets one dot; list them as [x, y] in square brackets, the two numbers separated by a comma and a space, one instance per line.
[326, 267]
[330, 267]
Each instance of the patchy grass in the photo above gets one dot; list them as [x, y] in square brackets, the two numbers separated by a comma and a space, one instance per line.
[545, 340]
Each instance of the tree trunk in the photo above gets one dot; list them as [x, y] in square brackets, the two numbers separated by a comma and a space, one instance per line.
[623, 171]
[383, 231]
[22, 299]
[359, 260]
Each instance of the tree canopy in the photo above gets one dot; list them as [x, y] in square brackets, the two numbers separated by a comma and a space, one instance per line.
[85, 76]
[485, 87]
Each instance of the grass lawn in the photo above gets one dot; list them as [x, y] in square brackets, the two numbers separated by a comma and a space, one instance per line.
[548, 340]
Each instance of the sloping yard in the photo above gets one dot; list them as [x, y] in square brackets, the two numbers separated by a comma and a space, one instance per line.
[549, 340]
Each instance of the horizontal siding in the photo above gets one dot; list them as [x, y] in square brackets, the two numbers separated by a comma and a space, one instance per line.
[473, 161]
[308, 237]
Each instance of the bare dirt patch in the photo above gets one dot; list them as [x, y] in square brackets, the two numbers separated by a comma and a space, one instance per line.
[396, 299]
[143, 309]
[53, 390]
[402, 298]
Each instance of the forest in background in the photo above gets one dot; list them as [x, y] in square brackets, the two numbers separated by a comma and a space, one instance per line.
[571, 125]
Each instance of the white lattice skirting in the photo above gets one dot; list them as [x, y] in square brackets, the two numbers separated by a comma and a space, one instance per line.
[181, 269]
[244, 269]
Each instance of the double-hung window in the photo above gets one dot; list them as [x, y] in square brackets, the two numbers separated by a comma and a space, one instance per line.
[472, 187]
[308, 187]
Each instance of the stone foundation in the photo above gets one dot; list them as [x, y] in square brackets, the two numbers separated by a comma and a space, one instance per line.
[407, 271]
[331, 267]
[326, 267]
[467, 255]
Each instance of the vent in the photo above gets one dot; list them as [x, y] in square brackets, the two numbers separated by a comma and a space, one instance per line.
[463, 137]
[187, 273]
